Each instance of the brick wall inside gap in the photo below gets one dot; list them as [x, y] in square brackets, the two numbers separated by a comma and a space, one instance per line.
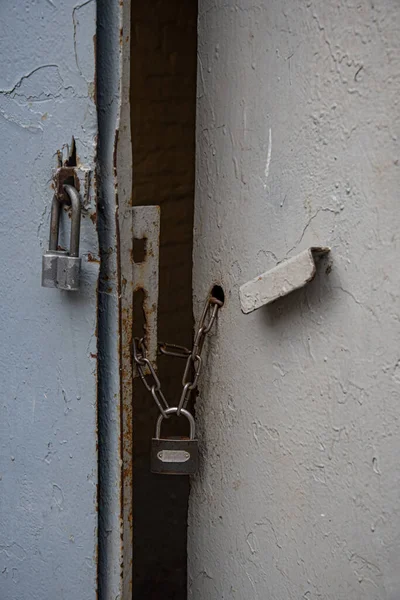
[163, 97]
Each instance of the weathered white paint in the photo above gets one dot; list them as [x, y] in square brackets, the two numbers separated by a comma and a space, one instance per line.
[286, 277]
[48, 458]
[299, 419]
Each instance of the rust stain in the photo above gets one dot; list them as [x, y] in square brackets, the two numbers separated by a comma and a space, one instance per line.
[121, 282]
[62, 175]
[93, 218]
[92, 258]
[116, 140]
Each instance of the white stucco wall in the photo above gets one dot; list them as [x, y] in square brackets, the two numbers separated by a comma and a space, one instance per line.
[298, 416]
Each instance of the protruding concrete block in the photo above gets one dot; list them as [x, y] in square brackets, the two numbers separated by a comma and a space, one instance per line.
[286, 277]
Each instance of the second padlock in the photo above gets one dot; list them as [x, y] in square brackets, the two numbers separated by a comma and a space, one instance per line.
[175, 455]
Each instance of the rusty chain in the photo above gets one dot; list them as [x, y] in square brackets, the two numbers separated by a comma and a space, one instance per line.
[193, 358]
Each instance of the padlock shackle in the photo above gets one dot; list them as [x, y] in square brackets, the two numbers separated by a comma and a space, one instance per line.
[173, 411]
[73, 195]
[54, 223]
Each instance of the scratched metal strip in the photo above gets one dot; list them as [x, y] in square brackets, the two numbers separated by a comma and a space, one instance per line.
[146, 226]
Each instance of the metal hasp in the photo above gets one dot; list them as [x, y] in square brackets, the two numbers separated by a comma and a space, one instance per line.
[60, 268]
[146, 227]
[286, 277]
[175, 456]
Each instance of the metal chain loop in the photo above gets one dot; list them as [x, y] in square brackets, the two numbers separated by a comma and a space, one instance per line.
[193, 358]
[139, 356]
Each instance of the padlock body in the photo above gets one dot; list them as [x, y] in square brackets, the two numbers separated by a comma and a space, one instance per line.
[68, 271]
[174, 456]
[49, 267]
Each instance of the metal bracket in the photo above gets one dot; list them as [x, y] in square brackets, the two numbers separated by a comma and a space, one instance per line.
[146, 227]
[80, 179]
[286, 277]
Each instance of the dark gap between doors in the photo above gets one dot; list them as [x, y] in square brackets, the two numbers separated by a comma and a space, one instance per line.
[163, 108]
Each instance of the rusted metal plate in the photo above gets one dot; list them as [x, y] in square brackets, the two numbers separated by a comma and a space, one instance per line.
[146, 228]
[286, 277]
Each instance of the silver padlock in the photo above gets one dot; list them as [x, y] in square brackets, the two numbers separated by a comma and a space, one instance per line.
[175, 456]
[50, 257]
[69, 265]
[60, 268]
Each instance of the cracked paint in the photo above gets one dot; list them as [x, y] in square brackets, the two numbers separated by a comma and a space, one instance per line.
[81, 14]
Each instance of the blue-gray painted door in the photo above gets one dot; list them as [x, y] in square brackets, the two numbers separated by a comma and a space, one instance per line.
[48, 349]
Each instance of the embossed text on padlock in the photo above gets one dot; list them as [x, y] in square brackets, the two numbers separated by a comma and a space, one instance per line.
[175, 456]
[50, 257]
[69, 265]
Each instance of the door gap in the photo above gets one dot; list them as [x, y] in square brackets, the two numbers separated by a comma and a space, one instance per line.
[163, 108]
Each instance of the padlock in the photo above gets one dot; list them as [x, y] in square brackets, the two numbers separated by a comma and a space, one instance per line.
[69, 265]
[175, 456]
[50, 257]
[60, 268]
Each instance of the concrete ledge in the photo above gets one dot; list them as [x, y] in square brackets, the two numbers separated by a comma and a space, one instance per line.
[286, 277]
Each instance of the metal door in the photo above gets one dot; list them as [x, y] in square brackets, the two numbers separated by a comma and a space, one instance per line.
[48, 350]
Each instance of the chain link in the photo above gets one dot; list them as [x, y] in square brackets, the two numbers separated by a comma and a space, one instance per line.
[193, 358]
[173, 350]
[154, 387]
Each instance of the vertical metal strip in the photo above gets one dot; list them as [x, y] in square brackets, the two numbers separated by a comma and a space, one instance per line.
[126, 316]
[123, 174]
[146, 227]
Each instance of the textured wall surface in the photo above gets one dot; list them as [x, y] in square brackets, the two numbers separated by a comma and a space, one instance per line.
[298, 145]
[48, 362]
